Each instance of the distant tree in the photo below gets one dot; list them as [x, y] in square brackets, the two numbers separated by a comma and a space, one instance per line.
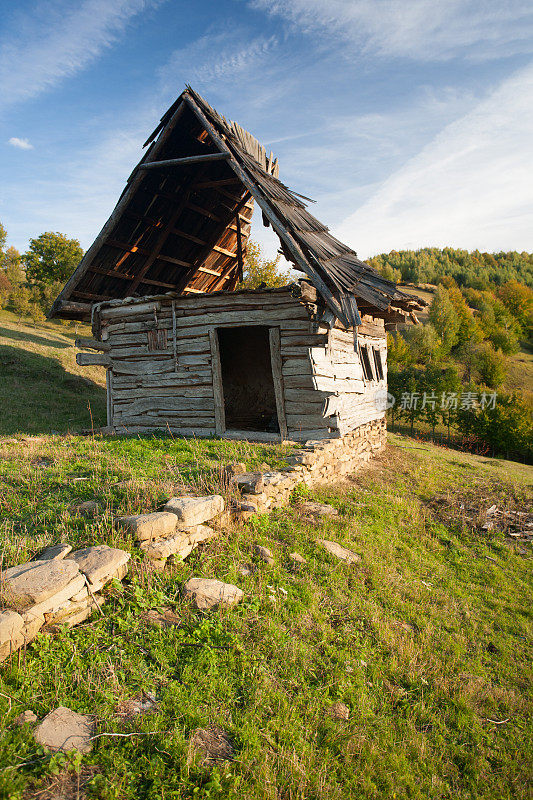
[260, 270]
[424, 343]
[443, 316]
[51, 257]
[12, 266]
[490, 364]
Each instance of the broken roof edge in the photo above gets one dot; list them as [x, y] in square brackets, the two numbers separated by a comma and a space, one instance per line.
[343, 281]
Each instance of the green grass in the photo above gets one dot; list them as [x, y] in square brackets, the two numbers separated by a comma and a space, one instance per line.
[42, 389]
[427, 639]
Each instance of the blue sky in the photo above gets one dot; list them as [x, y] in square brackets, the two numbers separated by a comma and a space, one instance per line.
[409, 121]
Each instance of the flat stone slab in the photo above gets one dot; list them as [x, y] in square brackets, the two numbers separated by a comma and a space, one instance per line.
[296, 558]
[249, 482]
[56, 552]
[318, 509]
[149, 526]
[182, 543]
[208, 592]
[63, 729]
[11, 625]
[27, 584]
[340, 552]
[195, 510]
[87, 508]
[264, 554]
[56, 600]
[100, 562]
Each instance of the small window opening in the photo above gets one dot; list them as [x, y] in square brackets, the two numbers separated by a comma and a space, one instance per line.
[366, 363]
[157, 339]
[379, 363]
[247, 382]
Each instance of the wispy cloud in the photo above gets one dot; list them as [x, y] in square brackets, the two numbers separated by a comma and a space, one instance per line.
[469, 187]
[423, 30]
[57, 40]
[22, 144]
[215, 58]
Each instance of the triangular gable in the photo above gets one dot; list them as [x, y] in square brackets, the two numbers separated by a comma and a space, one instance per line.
[183, 221]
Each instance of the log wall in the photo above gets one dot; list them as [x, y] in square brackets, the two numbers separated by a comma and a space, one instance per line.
[159, 355]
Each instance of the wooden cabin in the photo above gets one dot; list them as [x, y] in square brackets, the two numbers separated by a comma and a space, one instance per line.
[189, 352]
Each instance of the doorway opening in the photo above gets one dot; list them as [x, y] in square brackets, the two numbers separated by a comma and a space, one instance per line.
[247, 382]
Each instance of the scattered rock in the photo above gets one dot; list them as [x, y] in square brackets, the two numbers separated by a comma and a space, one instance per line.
[243, 511]
[246, 569]
[142, 704]
[264, 467]
[264, 554]
[11, 625]
[100, 563]
[36, 581]
[33, 622]
[56, 552]
[26, 718]
[57, 600]
[213, 743]
[339, 711]
[208, 592]
[317, 510]
[229, 470]
[149, 526]
[296, 558]
[87, 509]
[195, 510]
[181, 544]
[249, 482]
[74, 613]
[63, 729]
[340, 552]
[166, 618]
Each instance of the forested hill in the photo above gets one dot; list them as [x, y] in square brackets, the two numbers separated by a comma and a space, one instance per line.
[475, 269]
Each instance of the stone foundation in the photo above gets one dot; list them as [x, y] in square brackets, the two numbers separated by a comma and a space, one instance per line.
[321, 461]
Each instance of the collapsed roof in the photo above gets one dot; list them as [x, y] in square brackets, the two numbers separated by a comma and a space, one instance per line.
[183, 221]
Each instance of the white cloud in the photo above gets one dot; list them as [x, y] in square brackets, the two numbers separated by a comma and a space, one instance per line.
[22, 144]
[424, 30]
[57, 40]
[470, 187]
[214, 59]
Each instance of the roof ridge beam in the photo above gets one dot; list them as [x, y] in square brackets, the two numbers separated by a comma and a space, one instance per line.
[182, 162]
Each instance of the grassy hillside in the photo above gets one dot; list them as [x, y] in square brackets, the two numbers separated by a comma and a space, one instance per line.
[427, 640]
[42, 389]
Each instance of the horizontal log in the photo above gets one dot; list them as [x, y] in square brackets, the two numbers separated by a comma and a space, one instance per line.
[119, 312]
[305, 407]
[185, 390]
[311, 421]
[204, 433]
[249, 317]
[150, 367]
[71, 309]
[183, 162]
[305, 395]
[92, 360]
[92, 344]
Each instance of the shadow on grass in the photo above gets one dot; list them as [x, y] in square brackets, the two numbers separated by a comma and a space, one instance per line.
[37, 395]
[23, 336]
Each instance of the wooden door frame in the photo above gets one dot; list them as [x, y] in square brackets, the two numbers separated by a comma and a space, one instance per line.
[274, 337]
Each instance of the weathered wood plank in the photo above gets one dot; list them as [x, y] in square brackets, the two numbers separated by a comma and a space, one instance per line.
[119, 312]
[92, 344]
[275, 359]
[218, 389]
[93, 360]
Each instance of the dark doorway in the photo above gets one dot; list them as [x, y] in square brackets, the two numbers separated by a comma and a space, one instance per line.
[249, 397]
